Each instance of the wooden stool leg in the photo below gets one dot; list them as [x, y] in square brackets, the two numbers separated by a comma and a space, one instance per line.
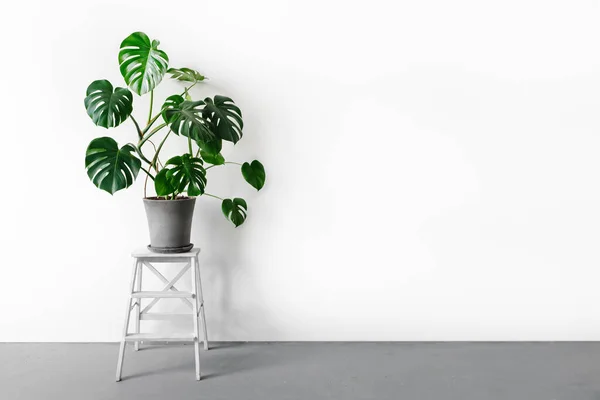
[201, 303]
[138, 307]
[136, 265]
[195, 307]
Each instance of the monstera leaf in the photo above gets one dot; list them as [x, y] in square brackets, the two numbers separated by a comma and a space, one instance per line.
[108, 108]
[142, 64]
[186, 74]
[110, 168]
[215, 159]
[181, 174]
[162, 183]
[211, 151]
[212, 147]
[235, 210]
[254, 174]
[225, 117]
[184, 118]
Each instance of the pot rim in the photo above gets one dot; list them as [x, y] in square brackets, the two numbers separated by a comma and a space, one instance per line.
[154, 198]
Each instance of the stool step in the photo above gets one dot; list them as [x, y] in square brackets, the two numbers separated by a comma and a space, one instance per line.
[161, 337]
[165, 316]
[163, 295]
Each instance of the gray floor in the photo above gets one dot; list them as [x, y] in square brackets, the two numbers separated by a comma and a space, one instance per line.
[265, 371]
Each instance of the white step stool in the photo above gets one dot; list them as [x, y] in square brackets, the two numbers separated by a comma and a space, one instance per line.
[146, 258]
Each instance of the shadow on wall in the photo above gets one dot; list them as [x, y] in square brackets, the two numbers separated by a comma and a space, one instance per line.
[234, 307]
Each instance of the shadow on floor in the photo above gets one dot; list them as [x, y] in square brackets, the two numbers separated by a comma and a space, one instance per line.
[222, 359]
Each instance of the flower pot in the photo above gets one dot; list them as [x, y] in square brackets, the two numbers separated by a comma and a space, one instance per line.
[170, 224]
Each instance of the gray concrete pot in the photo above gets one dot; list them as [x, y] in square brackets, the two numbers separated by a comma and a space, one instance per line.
[170, 224]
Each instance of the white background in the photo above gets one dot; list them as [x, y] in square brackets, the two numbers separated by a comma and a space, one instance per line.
[433, 168]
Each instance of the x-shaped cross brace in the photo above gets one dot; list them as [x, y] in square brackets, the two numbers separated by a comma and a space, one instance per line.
[169, 285]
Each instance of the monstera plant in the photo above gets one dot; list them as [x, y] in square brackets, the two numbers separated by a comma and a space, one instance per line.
[203, 124]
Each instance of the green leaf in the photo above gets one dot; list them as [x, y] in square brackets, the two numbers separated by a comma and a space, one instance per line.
[235, 210]
[212, 147]
[184, 174]
[142, 64]
[217, 159]
[184, 118]
[162, 183]
[186, 74]
[108, 108]
[110, 168]
[225, 117]
[254, 174]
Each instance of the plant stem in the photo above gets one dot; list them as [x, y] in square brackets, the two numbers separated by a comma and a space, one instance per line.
[148, 174]
[226, 162]
[139, 151]
[188, 88]
[152, 121]
[137, 126]
[190, 145]
[149, 135]
[151, 103]
[157, 159]
[160, 145]
[212, 195]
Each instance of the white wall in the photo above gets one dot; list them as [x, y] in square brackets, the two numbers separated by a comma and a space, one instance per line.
[433, 168]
